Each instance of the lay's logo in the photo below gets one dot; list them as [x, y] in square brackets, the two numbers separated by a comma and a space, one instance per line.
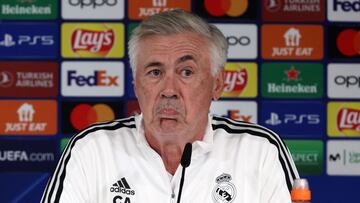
[93, 40]
[343, 119]
[240, 80]
[99, 42]
[348, 119]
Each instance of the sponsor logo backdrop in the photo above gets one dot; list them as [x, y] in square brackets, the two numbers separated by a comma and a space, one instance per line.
[293, 67]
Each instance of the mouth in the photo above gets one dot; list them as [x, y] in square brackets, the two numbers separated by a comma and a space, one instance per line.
[169, 113]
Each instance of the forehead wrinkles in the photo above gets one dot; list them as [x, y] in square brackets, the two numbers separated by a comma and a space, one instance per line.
[175, 44]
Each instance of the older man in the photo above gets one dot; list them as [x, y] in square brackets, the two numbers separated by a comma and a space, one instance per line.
[177, 60]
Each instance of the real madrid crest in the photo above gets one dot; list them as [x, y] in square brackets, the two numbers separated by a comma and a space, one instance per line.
[224, 191]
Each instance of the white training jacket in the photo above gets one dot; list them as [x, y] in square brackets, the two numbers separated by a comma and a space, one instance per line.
[113, 163]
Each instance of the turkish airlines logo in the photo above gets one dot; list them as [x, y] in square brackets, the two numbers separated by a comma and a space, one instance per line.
[285, 11]
[28, 117]
[6, 79]
[290, 42]
[273, 5]
[28, 79]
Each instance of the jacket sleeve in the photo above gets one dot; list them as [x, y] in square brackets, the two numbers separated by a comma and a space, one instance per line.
[68, 183]
[274, 188]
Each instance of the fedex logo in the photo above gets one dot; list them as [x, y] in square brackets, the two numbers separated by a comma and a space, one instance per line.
[237, 110]
[92, 78]
[346, 5]
[344, 10]
[98, 78]
[236, 115]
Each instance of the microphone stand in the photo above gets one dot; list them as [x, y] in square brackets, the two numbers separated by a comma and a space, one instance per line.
[185, 162]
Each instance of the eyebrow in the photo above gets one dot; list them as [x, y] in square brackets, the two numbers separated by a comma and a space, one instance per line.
[179, 60]
[185, 58]
[151, 64]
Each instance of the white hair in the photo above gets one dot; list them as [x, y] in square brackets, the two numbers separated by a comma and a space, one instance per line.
[175, 22]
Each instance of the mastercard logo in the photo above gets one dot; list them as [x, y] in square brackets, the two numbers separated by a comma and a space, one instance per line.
[233, 8]
[348, 42]
[84, 115]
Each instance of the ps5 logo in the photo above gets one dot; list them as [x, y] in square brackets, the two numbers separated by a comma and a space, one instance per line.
[275, 119]
[9, 40]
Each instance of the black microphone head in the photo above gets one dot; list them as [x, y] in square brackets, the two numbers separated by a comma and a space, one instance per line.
[186, 156]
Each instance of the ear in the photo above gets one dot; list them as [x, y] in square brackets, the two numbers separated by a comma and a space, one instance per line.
[134, 82]
[218, 84]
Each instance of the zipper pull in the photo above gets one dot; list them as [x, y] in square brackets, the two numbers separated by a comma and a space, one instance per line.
[172, 198]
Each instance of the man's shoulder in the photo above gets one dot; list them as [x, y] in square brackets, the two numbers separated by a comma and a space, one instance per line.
[109, 130]
[239, 127]
[113, 125]
[244, 130]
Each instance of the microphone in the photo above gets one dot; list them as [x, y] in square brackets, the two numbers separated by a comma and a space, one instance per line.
[185, 162]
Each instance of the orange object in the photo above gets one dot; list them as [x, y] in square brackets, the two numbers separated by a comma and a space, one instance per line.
[301, 194]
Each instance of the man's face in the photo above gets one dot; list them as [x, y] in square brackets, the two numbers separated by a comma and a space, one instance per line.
[174, 86]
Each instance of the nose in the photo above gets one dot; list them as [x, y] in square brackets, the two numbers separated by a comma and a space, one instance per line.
[170, 87]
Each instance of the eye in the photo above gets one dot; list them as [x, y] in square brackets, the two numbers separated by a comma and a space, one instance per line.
[186, 72]
[154, 72]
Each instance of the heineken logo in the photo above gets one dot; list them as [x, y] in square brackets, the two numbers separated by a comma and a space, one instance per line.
[292, 80]
[28, 9]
